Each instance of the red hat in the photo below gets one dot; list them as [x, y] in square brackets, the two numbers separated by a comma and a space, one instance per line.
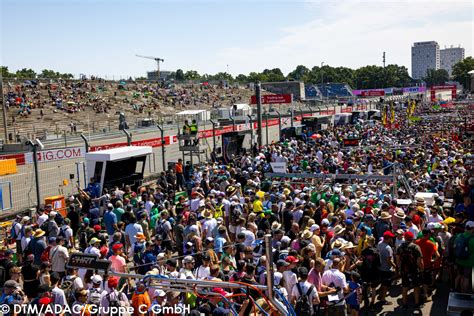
[388, 234]
[292, 259]
[370, 202]
[112, 282]
[409, 236]
[103, 251]
[116, 247]
[97, 228]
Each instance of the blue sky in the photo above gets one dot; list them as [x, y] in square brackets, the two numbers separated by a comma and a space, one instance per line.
[102, 37]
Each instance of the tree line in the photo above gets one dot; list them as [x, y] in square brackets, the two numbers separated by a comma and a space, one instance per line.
[28, 73]
[367, 77]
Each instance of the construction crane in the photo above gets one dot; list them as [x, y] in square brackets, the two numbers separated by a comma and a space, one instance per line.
[158, 60]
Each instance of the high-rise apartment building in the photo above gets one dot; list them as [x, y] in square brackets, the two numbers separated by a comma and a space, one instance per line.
[449, 57]
[424, 56]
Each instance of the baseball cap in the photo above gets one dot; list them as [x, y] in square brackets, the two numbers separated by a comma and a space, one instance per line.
[349, 221]
[469, 224]
[188, 259]
[52, 239]
[96, 279]
[325, 221]
[303, 272]
[97, 228]
[409, 236]
[292, 259]
[314, 227]
[282, 263]
[117, 247]
[171, 262]
[388, 234]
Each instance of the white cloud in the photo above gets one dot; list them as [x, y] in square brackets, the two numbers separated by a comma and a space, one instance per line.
[355, 33]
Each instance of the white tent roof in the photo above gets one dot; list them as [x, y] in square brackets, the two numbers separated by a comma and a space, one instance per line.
[190, 112]
[119, 153]
[242, 106]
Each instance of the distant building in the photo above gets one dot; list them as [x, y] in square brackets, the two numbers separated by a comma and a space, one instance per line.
[424, 56]
[451, 56]
[151, 75]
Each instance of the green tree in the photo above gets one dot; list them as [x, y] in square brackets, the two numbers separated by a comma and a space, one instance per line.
[26, 73]
[461, 71]
[301, 73]
[436, 77]
[192, 75]
[241, 78]
[6, 73]
[180, 75]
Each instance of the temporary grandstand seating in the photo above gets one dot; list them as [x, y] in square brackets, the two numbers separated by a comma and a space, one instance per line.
[335, 90]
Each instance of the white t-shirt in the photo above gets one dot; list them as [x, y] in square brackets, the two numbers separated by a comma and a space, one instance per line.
[414, 230]
[202, 272]
[67, 234]
[194, 204]
[59, 296]
[131, 230]
[24, 242]
[58, 257]
[41, 219]
[249, 237]
[290, 280]
[336, 278]
[208, 225]
[305, 286]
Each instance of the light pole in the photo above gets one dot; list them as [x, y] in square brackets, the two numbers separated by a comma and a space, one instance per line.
[322, 82]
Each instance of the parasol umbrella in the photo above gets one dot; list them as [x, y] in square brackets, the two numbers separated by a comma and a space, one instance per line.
[316, 136]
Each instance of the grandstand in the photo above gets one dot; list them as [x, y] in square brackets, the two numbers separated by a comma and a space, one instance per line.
[335, 90]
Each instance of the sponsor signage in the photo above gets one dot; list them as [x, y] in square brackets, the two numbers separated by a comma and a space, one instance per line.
[347, 110]
[278, 167]
[57, 154]
[20, 158]
[372, 93]
[87, 261]
[273, 99]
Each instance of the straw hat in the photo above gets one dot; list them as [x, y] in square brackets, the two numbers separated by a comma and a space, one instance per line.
[420, 201]
[38, 233]
[306, 234]
[400, 214]
[385, 215]
[338, 229]
[337, 244]
[348, 245]
[275, 225]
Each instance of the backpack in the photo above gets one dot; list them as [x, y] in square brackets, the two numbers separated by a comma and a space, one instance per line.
[408, 260]
[67, 286]
[371, 262]
[118, 301]
[13, 234]
[160, 230]
[45, 227]
[461, 247]
[62, 232]
[45, 254]
[303, 306]
[94, 296]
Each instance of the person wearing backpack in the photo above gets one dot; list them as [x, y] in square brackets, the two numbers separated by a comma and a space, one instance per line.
[409, 264]
[304, 295]
[430, 254]
[334, 278]
[113, 297]
[96, 293]
[464, 254]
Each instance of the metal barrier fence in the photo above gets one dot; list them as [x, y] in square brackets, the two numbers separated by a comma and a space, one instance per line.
[61, 177]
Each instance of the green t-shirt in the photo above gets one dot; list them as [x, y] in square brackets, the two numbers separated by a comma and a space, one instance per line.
[469, 262]
[118, 212]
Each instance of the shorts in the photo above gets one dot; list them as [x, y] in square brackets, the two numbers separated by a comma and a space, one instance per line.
[386, 278]
[427, 277]
[411, 280]
[354, 307]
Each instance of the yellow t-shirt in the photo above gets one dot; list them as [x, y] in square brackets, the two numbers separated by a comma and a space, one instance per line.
[257, 206]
